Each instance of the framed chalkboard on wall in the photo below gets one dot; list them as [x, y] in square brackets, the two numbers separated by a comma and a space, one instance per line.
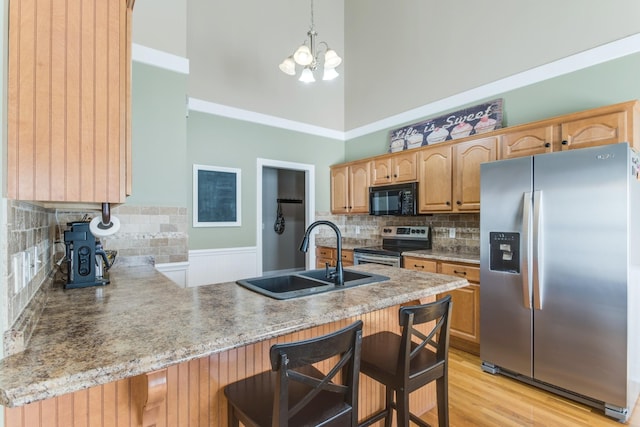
[216, 196]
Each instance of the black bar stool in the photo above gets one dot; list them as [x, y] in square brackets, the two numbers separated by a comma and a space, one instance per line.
[294, 393]
[404, 365]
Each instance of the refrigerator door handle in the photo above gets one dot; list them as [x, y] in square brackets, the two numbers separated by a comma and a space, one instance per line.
[537, 251]
[524, 261]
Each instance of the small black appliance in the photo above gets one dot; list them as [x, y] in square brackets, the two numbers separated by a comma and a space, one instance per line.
[86, 260]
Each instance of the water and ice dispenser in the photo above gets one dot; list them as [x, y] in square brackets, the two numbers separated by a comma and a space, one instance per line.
[505, 252]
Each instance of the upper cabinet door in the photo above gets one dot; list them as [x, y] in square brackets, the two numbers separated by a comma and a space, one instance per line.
[359, 187]
[381, 171]
[435, 172]
[404, 167]
[593, 131]
[467, 159]
[527, 142]
[68, 100]
[340, 189]
[396, 168]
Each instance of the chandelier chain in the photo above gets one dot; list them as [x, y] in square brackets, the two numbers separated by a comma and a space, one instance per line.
[312, 15]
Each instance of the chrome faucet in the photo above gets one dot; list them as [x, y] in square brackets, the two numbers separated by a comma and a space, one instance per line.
[338, 274]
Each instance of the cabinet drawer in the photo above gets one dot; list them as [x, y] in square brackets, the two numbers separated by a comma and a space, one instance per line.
[420, 264]
[347, 256]
[471, 273]
[324, 252]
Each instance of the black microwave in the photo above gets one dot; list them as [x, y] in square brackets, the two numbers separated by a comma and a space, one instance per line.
[399, 199]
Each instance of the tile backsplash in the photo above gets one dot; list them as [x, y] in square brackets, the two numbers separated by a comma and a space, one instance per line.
[449, 232]
[29, 257]
[145, 231]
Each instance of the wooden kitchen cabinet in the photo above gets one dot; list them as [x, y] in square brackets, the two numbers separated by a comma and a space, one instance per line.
[467, 157]
[350, 188]
[69, 85]
[604, 129]
[530, 141]
[449, 176]
[394, 168]
[326, 255]
[465, 316]
[435, 166]
[420, 264]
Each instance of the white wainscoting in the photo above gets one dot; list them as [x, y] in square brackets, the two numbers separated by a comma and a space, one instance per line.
[176, 271]
[207, 266]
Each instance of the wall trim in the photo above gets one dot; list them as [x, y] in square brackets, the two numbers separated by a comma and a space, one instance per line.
[209, 266]
[203, 106]
[598, 55]
[160, 59]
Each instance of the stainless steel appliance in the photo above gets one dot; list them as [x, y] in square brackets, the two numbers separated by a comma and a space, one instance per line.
[560, 266]
[398, 200]
[87, 261]
[395, 241]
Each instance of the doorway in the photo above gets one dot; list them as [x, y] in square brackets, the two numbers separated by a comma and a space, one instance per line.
[285, 207]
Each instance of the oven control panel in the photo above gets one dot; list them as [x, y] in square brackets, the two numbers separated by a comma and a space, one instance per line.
[406, 232]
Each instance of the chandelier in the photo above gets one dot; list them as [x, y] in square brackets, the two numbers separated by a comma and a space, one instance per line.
[307, 57]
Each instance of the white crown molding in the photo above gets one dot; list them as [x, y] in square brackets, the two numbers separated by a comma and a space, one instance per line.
[160, 59]
[607, 52]
[264, 119]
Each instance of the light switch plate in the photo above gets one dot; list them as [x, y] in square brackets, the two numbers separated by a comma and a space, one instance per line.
[452, 233]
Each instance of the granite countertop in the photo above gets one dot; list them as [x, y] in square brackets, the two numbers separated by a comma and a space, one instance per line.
[466, 257]
[142, 322]
[441, 255]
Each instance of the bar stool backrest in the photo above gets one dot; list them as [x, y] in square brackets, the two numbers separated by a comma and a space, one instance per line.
[289, 360]
[412, 365]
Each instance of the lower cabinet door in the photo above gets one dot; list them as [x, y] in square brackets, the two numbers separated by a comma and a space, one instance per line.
[465, 318]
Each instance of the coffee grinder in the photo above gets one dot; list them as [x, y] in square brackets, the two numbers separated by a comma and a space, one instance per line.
[84, 268]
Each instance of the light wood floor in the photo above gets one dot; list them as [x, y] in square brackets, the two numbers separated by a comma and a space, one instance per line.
[480, 399]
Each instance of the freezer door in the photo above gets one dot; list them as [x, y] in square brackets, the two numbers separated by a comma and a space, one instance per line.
[580, 271]
[505, 292]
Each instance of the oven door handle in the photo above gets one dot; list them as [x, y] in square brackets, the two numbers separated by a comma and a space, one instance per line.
[372, 258]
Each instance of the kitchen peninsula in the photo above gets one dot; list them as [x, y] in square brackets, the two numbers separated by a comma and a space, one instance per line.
[144, 349]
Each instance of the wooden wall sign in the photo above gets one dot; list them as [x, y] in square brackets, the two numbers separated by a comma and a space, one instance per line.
[480, 118]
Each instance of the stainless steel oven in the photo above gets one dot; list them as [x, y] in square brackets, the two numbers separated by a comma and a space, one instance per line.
[395, 241]
[390, 260]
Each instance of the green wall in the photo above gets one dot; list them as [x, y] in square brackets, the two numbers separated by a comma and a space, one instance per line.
[158, 137]
[166, 144]
[608, 83]
[219, 141]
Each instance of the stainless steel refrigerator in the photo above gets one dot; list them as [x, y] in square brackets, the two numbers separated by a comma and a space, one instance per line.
[560, 273]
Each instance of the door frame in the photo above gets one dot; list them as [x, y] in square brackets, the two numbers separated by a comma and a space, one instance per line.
[309, 204]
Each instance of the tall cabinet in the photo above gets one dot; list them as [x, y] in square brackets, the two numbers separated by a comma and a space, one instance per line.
[69, 86]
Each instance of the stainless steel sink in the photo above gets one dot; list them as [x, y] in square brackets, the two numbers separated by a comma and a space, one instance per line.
[305, 283]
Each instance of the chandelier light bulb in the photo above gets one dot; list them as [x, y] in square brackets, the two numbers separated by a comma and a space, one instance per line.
[331, 59]
[288, 66]
[303, 55]
[307, 76]
[330, 74]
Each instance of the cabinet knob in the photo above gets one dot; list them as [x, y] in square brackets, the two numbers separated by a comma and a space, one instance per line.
[547, 144]
[395, 175]
[565, 142]
[448, 203]
[459, 203]
[388, 177]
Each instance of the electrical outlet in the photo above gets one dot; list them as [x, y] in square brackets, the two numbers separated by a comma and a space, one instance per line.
[26, 268]
[357, 229]
[17, 272]
[452, 233]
